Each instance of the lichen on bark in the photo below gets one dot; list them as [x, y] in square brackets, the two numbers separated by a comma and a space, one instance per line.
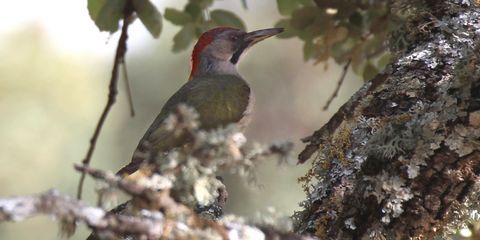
[414, 144]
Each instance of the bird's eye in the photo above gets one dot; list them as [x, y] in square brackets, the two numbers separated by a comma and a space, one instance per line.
[234, 38]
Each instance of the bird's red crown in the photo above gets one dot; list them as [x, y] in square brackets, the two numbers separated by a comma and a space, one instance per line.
[205, 39]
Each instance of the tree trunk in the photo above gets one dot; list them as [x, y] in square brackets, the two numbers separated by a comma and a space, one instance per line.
[402, 157]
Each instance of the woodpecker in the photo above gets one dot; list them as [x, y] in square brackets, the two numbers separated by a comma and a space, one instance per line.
[215, 88]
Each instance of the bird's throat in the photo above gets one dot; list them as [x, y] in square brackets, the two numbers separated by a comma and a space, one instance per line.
[213, 66]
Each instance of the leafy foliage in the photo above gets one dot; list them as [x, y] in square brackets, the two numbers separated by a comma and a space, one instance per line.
[339, 29]
[342, 30]
[226, 18]
[107, 13]
[196, 19]
[286, 7]
[184, 37]
[177, 17]
[149, 15]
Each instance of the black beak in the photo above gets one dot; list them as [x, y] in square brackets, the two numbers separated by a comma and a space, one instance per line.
[259, 35]
[251, 38]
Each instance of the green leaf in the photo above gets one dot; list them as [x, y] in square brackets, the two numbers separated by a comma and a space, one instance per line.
[289, 31]
[369, 71]
[194, 10]
[305, 2]
[336, 35]
[149, 15]
[203, 3]
[106, 13]
[226, 18]
[322, 54]
[286, 7]
[201, 28]
[374, 45]
[94, 7]
[309, 33]
[340, 52]
[384, 60]
[303, 17]
[309, 50]
[183, 38]
[177, 17]
[358, 58]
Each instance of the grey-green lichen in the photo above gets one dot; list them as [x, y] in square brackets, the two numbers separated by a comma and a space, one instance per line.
[464, 141]
[391, 140]
[392, 191]
[193, 169]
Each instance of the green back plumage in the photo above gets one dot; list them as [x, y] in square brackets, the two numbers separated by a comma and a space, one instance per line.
[218, 99]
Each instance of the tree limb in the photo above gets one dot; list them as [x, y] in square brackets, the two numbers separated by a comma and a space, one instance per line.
[401, 159]
[149, 224]
[64, 207]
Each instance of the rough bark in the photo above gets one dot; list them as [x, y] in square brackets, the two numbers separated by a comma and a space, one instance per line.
[401, 158]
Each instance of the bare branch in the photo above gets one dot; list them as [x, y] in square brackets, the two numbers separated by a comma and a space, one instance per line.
[112, 94]
[339, 84]
[127, 87]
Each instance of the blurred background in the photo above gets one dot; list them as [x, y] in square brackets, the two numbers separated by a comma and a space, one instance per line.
[54, 72]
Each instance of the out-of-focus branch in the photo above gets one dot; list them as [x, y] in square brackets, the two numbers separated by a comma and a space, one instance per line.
[129, 187]
[64, 207]
[148, 224]
[112, 94]
[151, 198]
[339, 84]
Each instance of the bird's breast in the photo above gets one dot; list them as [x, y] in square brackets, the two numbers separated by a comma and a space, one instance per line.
[247, 114]
[229, 100]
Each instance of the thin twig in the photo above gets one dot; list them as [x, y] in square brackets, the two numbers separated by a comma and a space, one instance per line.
[112, 94]
[127, 86]
[129, 187]
[339, 84]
